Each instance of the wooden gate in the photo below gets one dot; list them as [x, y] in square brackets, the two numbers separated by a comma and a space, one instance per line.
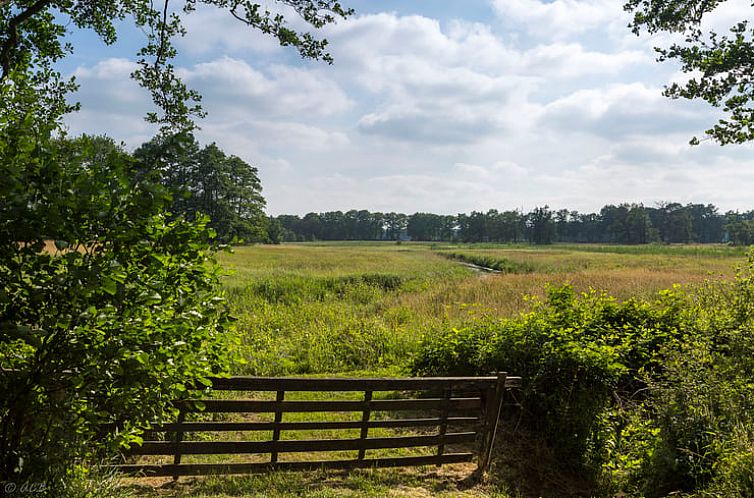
[448, 412]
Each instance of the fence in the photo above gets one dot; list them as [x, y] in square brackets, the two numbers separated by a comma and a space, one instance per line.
[436, 404]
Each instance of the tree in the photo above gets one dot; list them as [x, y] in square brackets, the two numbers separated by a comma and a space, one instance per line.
[673, 222]
[724, 63]
[541, 225]
[424, 226]
[32, 39]
[740, 227]
[275, 231]
[707, 224]
[108, 307]
[207, 181]
[395, 225]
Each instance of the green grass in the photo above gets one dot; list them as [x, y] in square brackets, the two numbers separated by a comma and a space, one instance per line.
[337, 307]
[377, 483]
[363, 308]
[306, 309]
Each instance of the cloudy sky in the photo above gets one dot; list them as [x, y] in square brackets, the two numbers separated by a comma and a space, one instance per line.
[444, 106]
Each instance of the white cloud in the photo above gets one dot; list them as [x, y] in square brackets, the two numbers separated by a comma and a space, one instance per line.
[497, 171]
[572, 60]
[232, 87]
[264, 135]
[553, 103]
[212, 29]
[618, 111]
[112, 103]
[559, 19]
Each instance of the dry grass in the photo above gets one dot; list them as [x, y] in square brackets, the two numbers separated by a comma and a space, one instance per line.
[507, 295]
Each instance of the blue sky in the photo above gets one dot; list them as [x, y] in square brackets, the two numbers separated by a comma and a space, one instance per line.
[442, 106]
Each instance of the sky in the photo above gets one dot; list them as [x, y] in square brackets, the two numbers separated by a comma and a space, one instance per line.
[441, 106]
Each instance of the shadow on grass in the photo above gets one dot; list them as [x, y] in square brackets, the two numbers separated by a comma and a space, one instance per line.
[449, 481]
[527, 467]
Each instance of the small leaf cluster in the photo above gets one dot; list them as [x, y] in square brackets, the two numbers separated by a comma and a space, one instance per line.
[32, 40]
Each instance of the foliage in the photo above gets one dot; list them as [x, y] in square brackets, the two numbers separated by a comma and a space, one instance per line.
[541, 225]
[32, 39]
[572, 354]
[628, 224]
[668, 222]
[653, 397]
[720, 65]
[206, 181]
[113, 319]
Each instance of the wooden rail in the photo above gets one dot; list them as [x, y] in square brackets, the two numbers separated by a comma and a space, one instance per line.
[443, 404]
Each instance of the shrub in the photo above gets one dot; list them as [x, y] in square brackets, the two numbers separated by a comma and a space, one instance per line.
[573, 353]
[110, 326]
[653, 397]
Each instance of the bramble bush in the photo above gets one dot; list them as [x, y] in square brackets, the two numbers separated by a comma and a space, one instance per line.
[646, 397]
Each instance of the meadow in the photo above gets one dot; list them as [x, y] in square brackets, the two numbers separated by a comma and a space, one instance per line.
[318, 308]
[364, 309]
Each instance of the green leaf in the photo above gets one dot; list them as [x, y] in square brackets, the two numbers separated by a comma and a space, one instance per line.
[149, 298]
[110, 286]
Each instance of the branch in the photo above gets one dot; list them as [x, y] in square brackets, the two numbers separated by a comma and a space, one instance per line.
[163, 37]
[12, 41]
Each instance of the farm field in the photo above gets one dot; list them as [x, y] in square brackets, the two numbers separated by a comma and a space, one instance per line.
[362, 309]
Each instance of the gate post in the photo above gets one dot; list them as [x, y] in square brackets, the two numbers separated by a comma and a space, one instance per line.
[492, 408]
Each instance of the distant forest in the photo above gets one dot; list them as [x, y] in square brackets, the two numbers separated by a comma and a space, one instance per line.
[669, 222]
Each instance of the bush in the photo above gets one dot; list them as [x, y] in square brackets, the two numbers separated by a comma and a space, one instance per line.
[573, 352]
[106, 324]
[651, 398]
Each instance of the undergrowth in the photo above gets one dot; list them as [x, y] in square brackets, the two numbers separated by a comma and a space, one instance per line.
[643, 397]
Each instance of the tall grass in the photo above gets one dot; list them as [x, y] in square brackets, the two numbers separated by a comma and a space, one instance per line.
[327, 308]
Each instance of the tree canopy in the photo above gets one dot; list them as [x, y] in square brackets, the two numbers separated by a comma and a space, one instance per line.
[206, 181]
[722, 66]
[33, 39]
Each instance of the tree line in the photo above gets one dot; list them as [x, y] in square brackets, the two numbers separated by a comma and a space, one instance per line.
[667, 222]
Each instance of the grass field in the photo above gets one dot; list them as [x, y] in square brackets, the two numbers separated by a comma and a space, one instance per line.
[319, 308]
[363, 308]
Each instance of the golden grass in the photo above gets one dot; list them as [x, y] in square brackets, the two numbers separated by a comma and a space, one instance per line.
[505, 295]
[306, 308]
